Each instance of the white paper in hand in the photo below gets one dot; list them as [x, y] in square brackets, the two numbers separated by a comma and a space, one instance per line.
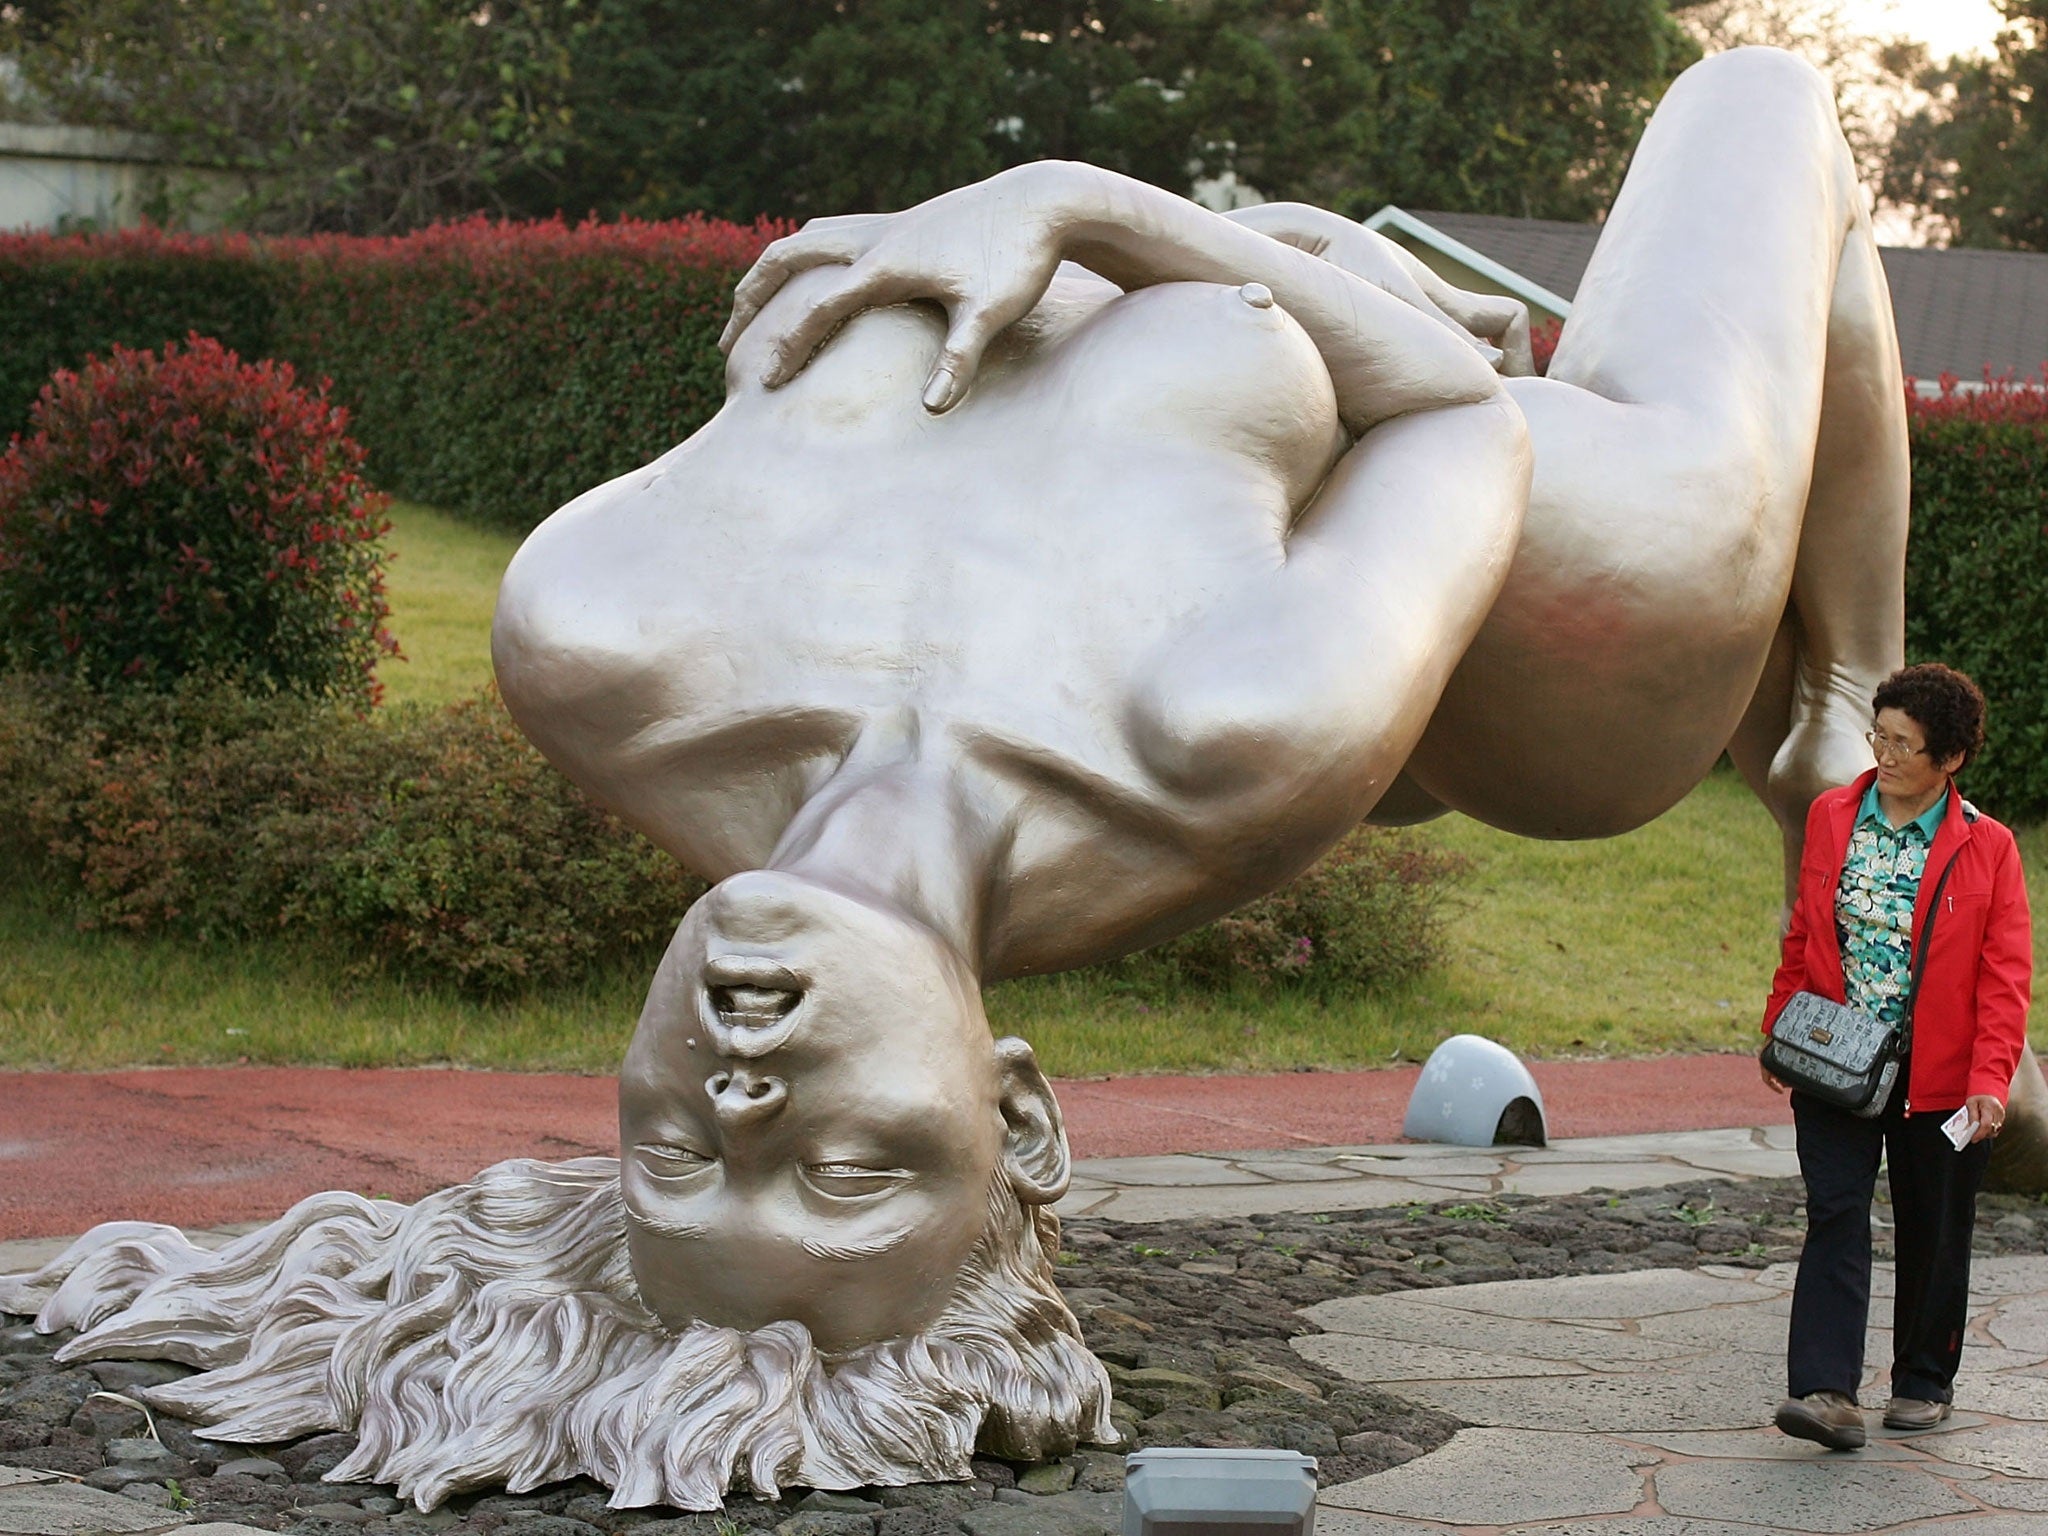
[1958, 1128]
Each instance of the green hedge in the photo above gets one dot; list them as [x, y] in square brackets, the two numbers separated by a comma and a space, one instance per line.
[430, 842]
[493, 369]
[1977, 575]
[498, 370]
[65, 298]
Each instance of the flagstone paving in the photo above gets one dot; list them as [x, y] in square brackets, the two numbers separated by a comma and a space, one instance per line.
[1634, 1404]
[1190, 1184]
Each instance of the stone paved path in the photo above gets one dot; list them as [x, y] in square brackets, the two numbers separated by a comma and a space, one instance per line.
[1355, 1178]
[1632, 1405]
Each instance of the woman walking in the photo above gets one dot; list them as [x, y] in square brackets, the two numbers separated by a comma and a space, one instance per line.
[1884, 857]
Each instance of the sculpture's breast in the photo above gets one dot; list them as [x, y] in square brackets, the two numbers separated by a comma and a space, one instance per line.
[830, 551]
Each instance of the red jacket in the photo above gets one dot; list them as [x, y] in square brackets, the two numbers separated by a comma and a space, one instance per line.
[1970, 1019]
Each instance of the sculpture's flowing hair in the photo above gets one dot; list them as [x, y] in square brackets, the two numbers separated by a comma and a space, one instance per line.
[492, 1334]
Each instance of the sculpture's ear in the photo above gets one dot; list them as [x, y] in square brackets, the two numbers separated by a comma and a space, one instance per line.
[1035, 1137]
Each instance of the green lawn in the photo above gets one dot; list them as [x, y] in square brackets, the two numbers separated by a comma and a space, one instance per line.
[1661, 940]
[442, 581]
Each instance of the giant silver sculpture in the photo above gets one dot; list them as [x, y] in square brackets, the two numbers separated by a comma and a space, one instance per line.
[1067, 566]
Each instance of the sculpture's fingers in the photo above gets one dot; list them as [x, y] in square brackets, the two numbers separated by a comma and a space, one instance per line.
[971, 325]
[820, 243]
[823, 313]
[1517, 347]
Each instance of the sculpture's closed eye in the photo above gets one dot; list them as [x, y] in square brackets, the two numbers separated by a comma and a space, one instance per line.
[852, 1181]
[669, 1161]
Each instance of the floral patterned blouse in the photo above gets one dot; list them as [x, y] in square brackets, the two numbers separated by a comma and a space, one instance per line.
[1874, 904]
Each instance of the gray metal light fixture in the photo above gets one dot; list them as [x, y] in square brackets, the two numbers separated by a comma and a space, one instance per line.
[1191, 1492]
[1474, 1092]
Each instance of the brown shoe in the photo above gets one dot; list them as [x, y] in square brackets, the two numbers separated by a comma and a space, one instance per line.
[1913, 1413]
[1832, 1418]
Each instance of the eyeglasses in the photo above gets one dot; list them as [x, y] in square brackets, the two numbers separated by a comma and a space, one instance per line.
[1882, 745]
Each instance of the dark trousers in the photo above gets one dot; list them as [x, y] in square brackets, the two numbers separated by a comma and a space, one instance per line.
[1934, 1207]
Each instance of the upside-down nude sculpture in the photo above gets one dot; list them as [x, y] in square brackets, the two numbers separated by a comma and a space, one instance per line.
[1011, 638]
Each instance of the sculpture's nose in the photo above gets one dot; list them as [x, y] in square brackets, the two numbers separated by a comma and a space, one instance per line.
[744, 1097]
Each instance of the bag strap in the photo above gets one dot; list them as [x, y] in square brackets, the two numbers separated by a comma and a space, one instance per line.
[1920, 957]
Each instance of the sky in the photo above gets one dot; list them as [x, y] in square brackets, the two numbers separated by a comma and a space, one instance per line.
[1946, 26]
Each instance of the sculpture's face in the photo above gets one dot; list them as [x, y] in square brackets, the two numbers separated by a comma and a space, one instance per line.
[812, 1115]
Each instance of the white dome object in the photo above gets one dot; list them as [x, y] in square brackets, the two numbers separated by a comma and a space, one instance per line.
[1475, 1092]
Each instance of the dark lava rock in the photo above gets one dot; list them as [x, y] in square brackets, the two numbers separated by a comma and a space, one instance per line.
[686, 1525]
[19, 1435]
[825, 1502]
[238, 1491]
[313, 1458]
[592, 1509]
[1063, 1514]
[72, 1459]
[130, 1375]
[552, 1525]
[942, 1499]
[819, 1522]
[48, 1398]
[913, 1522]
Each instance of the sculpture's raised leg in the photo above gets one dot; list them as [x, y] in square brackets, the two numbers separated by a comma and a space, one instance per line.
[1844, 631]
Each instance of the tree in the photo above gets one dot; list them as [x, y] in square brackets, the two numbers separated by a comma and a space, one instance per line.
[359, 115]
[1874, 75]
[744, 107]
[1517, 106]
[375, 115]
[1976, 154]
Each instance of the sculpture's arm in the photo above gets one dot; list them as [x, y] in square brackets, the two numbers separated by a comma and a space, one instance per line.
[1495, 318]
[987, 253]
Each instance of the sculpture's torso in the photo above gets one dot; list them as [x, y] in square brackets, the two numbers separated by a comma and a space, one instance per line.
[827, 571]
[1009, 593]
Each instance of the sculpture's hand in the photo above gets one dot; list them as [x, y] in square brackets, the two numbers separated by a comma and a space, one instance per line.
[1499, 324]
[986, 253]
[841, 239]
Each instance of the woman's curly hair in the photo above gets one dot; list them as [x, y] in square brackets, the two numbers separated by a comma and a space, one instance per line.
[1946, 705]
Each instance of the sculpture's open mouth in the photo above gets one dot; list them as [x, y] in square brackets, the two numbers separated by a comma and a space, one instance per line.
[753, 1007]
[753, 1002]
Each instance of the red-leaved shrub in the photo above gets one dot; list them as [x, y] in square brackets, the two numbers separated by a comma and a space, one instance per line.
[191, 514]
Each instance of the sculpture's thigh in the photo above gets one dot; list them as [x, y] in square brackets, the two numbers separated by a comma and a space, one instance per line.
[1720, 441]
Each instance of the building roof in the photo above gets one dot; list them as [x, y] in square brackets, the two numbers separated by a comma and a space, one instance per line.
[1961, 312]
[1550, 252]
[1957, 311]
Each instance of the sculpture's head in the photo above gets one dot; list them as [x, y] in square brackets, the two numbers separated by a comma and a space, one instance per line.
[813, 1117]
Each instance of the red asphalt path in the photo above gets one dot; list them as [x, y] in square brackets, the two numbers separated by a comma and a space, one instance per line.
[206, 1146]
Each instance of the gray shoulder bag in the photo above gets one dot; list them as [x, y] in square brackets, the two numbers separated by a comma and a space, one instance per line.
[1842, 1055]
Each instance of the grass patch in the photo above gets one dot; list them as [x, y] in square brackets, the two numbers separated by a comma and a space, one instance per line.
[1661, 940]
[89, 1001]
[442, 581]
